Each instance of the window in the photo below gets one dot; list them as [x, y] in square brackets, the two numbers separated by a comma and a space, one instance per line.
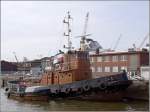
[124, 68]
[123, 58]
[99, 59]
[93, 69]
[115, 69]
[114, 58]
[107, 69]
[106, 58]
[99, 69]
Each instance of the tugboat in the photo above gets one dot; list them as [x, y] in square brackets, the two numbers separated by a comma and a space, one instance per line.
[70, 76]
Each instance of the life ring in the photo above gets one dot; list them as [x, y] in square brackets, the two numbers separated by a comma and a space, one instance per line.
[6, 89]
[103, 86]
[80, 90]
[67, 90]
[57, 91]
[86, 88]
[69, 74]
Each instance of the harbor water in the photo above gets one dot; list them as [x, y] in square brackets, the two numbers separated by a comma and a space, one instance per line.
[10, 105]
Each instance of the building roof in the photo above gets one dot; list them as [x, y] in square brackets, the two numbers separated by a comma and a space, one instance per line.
[119, 53]
[8, 66]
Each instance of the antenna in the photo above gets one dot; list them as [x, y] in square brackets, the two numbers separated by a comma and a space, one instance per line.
[67, 21]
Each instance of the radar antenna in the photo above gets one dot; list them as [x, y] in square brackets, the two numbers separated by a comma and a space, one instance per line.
[68, 33]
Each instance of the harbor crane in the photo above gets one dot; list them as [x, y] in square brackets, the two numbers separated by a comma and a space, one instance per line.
[15, 57]
[83, 36]
[142, 43]
[85, 26]
[117, 42]
[87, 43]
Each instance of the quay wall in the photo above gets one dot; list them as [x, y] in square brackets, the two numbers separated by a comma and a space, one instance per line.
[139, 90]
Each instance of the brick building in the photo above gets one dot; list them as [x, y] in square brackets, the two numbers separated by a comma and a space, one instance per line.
[109, 63]
[8, 67]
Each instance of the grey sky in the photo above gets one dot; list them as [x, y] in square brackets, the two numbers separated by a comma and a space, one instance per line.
[31, 28]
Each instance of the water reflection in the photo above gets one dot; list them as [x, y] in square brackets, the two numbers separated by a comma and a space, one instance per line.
[9, 105]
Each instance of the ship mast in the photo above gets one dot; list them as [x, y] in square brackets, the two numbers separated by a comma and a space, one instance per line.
[68, 34]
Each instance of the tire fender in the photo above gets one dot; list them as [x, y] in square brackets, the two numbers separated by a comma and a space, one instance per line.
[102, 86]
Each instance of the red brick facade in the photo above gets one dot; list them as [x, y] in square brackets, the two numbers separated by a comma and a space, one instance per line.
[103, 64]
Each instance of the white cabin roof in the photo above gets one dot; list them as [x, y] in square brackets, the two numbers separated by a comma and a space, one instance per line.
[35, 88]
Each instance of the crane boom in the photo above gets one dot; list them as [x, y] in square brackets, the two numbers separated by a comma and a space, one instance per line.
[84, 34]
[144, 40]
[86, 22]
[117, 42]
[15, 57]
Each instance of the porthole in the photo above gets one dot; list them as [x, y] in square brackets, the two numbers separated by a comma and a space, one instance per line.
[69, 74]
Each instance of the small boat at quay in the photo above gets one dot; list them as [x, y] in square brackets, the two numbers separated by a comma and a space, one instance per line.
[70, 76]
[34, 93]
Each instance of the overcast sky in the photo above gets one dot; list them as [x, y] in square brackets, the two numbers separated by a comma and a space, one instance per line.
[34, 28]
